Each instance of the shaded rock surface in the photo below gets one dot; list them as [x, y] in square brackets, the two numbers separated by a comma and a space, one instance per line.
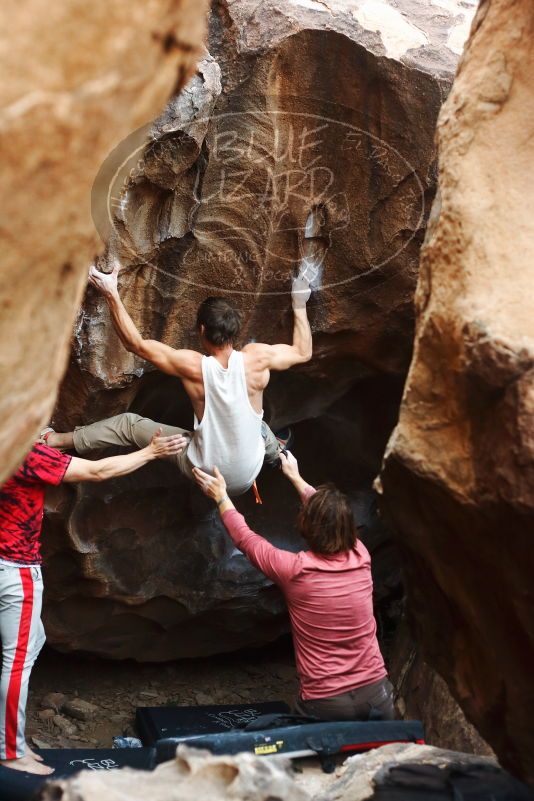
[77, 78]
[421, 694]
[459, 472]
[153, 574]
[271, 136]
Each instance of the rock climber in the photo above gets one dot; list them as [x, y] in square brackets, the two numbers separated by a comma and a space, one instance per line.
[225, 388]
[329, 594]
[21, 585]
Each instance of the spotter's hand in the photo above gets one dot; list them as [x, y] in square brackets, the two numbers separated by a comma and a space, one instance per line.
[163, 447]
[289, 465]
[212, 486]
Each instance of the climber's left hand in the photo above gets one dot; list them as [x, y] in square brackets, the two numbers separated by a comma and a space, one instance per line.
[106, 283]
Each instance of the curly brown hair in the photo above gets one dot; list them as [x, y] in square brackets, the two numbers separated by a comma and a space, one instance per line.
[326, 521]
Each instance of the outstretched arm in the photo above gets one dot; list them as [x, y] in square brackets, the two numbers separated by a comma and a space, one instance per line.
[114, 466]
[282, 357]
[290, 468]
[181, 363]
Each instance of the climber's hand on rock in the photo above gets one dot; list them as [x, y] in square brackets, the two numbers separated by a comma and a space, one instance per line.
[105, 283]
[212, 486]
[300, 291]
[290, 466]
[162, 447]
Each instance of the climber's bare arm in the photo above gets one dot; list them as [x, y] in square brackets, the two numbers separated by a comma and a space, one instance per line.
[282, 357]
[182, 363]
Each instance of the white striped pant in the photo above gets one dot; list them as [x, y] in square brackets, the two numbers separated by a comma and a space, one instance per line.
[22, 635]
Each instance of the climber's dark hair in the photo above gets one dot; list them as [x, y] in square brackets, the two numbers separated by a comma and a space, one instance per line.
[221, 321]
[326, 521]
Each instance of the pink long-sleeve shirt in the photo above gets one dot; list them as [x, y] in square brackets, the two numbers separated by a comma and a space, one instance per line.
[330, 602]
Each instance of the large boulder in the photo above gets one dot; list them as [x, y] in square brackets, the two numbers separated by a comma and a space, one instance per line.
[406, 772]
[141, 566]
[78, 77]
[459, 472]
[421, 694]
[305, 134]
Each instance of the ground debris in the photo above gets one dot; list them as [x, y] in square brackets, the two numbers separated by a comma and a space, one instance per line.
[114, 689]
[53, 701]
[66, 727]
[79, 709]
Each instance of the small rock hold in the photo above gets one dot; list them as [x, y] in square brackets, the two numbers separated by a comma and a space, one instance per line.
[203, 699]
[39, 743]
[79, 709]
[285, 672]
[45, 714]
[120, 717]
[66, 727]
[53, 701]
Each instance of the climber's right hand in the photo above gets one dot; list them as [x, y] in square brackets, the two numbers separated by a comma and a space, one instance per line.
[105, 283]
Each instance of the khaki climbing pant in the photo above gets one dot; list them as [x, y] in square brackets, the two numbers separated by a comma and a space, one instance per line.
[131, 429]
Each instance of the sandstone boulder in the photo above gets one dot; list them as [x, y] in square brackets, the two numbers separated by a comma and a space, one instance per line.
[141, 567]
[307, 133]
[406, 772]
[459, 472]
[78, 77]
[421, 694]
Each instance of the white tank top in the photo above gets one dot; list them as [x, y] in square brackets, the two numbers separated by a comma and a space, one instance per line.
[229, 434]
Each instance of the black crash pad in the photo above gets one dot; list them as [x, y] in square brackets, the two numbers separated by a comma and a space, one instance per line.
[160, 722]
[18, 786]
[324, 738]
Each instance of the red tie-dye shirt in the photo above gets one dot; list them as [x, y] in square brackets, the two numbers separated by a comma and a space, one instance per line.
[22, 503]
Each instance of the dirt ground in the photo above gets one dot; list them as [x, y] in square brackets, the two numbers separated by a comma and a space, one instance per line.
[117, 688]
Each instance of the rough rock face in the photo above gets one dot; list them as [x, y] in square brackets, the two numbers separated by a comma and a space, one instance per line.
[421, 694]
[78, 77]
[459, 473]
[141, 567]
[276, 151]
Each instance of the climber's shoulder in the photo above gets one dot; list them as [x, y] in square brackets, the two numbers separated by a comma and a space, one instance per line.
[257, 354]
[180, 362]
[188, 363]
